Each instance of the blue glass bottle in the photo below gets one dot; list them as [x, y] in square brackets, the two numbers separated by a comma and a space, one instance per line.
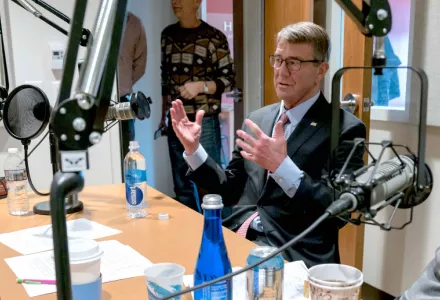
[213, 260]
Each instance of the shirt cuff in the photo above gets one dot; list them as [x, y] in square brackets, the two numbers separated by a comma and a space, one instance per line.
[288, 176]
[196, 159]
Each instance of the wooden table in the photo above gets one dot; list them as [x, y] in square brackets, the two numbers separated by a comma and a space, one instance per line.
[176, 240]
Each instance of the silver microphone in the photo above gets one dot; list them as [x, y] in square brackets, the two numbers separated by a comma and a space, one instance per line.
[137, 107]
[121, 111]
[391, 180]
[30, 8]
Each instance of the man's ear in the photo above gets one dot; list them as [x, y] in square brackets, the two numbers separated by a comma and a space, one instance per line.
[322, 70]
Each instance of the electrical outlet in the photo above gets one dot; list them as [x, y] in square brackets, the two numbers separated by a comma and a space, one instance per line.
[38, 84]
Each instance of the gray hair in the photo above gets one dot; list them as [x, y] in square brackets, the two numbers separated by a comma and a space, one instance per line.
[307, 33]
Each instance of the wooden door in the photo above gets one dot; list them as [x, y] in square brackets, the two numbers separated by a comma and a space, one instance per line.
[239, 64]
[278, 14]
[357, 51]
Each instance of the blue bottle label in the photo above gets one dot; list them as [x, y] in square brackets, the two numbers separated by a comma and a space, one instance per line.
[217, 291]
[134, 186]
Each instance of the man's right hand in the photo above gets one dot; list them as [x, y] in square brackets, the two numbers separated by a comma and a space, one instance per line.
[188, 132]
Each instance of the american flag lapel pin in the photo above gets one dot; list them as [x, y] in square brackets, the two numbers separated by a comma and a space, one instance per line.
[313, 124]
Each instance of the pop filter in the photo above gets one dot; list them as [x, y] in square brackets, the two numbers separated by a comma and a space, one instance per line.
[26, 113]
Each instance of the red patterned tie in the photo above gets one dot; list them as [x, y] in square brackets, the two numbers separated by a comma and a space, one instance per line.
[242, 231]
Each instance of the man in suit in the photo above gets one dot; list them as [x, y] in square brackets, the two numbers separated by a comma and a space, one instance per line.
[274, 180]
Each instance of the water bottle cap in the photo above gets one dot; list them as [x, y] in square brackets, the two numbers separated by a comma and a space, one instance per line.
[163, 216]
[12, 150]
[212, 201]
[133, 145]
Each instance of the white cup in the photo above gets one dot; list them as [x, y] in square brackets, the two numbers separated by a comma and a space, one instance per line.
[334, 282]
[163, 279]
[85, 260]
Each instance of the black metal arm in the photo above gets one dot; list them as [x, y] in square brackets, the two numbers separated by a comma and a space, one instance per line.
[85, 33]
[78, 122]
[373, 20]
[63, 185]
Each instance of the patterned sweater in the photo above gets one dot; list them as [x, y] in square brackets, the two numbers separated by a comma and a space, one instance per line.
[196, 54]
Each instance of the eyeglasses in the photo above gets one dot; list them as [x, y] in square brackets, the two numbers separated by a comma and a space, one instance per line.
[292, 64]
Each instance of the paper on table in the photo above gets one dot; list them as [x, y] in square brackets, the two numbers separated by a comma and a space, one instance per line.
[293, 286]
[118, 262]
[38, 239]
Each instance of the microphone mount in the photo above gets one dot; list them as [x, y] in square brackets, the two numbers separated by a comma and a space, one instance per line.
[422, 181]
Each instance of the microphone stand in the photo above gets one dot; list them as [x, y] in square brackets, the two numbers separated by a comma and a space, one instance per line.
[72, 203]
[68, 183]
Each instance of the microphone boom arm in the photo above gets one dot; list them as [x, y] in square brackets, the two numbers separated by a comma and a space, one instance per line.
[85, 33]
[78, 123]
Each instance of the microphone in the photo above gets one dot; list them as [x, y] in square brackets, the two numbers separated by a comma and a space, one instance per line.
[29, 7]
[137, 108]
[374, 187]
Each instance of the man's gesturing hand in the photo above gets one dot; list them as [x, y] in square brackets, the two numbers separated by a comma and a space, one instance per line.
[267, 152]
[188, 132]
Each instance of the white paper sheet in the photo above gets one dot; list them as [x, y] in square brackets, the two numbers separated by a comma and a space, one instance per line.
[38, 239]
[118, 262]
[293, 286]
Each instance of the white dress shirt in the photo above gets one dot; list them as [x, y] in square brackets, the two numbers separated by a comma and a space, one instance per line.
[288, 175]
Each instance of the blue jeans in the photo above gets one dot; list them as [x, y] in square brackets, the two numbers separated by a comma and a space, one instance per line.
[186, 190]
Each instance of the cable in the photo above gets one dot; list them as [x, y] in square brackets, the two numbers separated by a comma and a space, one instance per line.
[38, 144]
[230, 275]
[29, 174]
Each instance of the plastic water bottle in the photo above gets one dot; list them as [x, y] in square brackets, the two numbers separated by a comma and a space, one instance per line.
[16, 179]
[135, 182]
[213, 261]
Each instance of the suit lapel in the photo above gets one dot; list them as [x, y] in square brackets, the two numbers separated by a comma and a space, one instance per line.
[312, 121]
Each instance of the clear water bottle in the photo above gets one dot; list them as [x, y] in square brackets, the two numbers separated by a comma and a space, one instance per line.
[16, 179]
[213, 261]
[135, 170]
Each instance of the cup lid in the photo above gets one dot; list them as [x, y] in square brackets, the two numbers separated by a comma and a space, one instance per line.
[83, 251]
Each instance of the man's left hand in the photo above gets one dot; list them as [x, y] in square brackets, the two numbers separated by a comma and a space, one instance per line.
[191, 89]
[267, 152]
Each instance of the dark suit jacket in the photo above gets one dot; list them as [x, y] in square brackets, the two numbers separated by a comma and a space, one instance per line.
[244, 185]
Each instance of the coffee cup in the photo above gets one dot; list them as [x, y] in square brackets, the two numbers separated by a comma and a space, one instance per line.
[85, 261]
[334, 282]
